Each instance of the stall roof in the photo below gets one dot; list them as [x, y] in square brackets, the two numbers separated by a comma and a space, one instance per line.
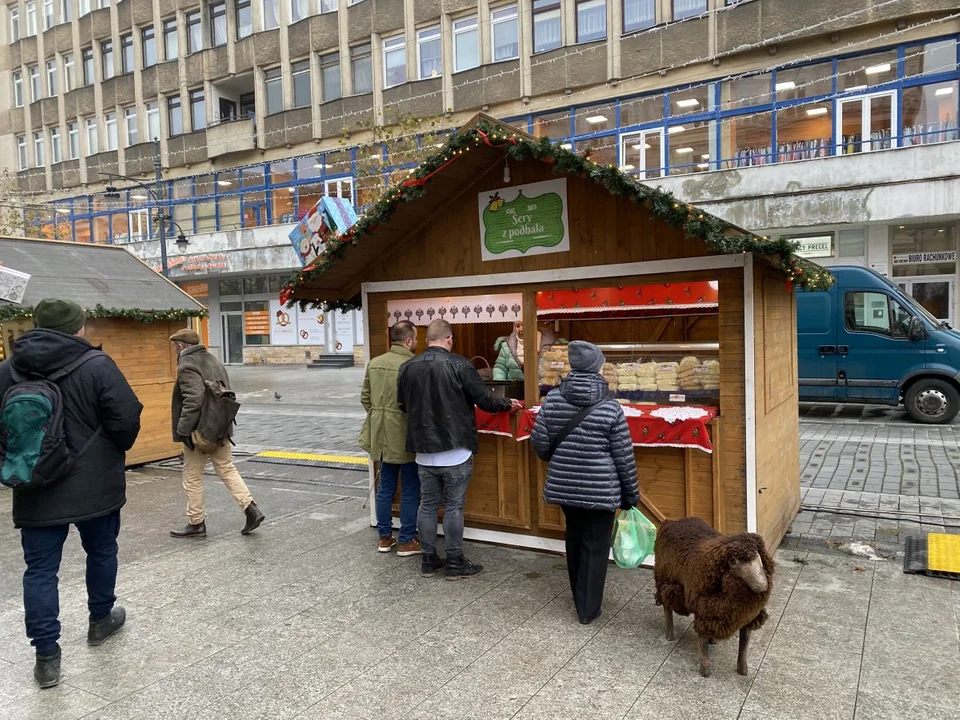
[91, 275]
[335, 277]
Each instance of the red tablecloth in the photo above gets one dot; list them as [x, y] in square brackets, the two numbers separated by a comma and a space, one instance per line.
[648, 430]
[494, 423]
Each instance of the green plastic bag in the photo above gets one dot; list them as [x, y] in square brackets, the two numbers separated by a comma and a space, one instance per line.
[633, 536]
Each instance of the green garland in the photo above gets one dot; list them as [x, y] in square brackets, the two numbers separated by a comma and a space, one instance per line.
[20, 312]
[718, 235]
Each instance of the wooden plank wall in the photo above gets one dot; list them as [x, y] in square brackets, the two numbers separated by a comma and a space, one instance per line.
[732, 448]
[146, 357]
[778, 425]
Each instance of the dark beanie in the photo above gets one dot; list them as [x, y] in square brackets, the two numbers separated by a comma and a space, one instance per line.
[60, 315]
[585, 356]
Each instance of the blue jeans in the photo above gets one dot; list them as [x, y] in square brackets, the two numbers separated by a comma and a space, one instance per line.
[42, 550]
[409, 499]
[449, 485]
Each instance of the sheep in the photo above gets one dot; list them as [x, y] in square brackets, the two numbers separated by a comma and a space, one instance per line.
[723, 580]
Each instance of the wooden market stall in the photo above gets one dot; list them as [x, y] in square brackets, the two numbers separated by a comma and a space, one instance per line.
[697, 320]
[131, 310]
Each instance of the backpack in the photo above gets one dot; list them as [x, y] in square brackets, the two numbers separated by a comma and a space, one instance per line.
[33, 446]
[217, 418]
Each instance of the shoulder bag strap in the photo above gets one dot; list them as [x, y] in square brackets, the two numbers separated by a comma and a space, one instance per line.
[569, 427]
[71, 366]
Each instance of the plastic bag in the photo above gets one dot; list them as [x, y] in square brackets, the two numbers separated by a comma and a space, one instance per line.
[633, 537]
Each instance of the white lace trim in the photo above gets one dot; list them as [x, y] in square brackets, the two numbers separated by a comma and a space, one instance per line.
[675, 414]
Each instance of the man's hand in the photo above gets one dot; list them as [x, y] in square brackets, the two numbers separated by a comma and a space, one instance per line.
[515, 404]
[189, 443]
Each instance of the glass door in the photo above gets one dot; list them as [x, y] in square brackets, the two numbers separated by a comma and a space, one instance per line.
[232, 333]
[936, 294]
[642, 153]
[866, 123]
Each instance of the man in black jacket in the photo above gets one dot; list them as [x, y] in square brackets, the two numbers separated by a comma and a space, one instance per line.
[438, 391]
[102, 417]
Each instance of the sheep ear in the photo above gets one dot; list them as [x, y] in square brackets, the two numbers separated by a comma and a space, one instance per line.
[765, 557]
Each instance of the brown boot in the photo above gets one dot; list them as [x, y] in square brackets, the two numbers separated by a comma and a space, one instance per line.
[254, 518]
[191, 531]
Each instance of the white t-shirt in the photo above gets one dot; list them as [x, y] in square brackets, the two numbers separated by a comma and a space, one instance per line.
[447, 458]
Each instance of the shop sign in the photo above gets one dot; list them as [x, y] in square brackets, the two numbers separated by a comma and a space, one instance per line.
[343, 334]
[925, 258]
[457, 310]
[256, 322]
[310, 330]
[283, 324]
[196, 289]
[816, 246]
[524, 220]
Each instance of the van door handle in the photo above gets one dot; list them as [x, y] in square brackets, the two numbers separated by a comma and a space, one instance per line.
[827, 349]
[843, 349]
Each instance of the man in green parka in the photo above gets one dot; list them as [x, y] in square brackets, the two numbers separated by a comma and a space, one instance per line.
[384, 437]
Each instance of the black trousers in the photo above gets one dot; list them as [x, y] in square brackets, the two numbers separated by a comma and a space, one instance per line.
[588, 551]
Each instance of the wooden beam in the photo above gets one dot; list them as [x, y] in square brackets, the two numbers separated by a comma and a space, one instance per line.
[531, 353]
[662, 328]
[688, 482]
[718, 499]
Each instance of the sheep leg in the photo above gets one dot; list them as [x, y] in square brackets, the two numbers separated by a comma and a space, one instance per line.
[668, 621]
[742, 653]
[704, 643]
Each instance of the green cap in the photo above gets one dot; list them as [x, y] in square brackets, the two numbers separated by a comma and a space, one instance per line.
[61, 315]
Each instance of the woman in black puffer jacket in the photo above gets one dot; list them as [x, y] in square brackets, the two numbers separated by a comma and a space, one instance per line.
[591, 474]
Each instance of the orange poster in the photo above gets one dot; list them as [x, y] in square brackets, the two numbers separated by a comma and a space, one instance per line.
[256, 322]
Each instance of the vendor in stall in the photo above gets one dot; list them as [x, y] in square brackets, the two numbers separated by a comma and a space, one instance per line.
[509, 364]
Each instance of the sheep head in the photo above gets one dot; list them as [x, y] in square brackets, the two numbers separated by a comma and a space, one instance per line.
[747, 560]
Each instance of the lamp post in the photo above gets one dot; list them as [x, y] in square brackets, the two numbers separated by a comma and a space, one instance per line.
[157, 194]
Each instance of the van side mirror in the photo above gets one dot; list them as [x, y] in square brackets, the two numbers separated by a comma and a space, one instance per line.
[916, 331]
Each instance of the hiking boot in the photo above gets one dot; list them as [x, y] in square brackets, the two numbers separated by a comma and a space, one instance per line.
[408, 549]
[387, 544]
[459, 567]
[430, 564]
[102, 629]
[191, 531]
[46, 671]
[254, 518]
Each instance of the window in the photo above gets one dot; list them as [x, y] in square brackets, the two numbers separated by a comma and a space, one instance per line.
[93, 137]
[299, 10]
[506, 37]
[22, 161]
[86, 57]
[591, 20]
[106, 59]
[273, 84]
[330, 76]
[56, 154]
[130, 125]
[31, 18]
[174, 116]
[15, 34]
[429, 55]
[18, 89]
[171, 41]
[218, 24]
[362, 69]
[328, 6]
[929, 113]
[52, 77]
[39, 150]
[48, 21]
[73, 141]
[271, 14]
[301, 83]
[69, 79]
[244, 19]
[126, 53]
[34, 83]
[394, 61]
[466, 44]
[546, 25]
[748, 140]
[198, 110]
[194, 33]
[642, 153]
[875, 312]
[932, 58]
[688, 8]
[924, 250]
[639, 14]
[110, 128]
[153, 120]
[84, 7]
[66, 11]
[859, 73]
[148, 46]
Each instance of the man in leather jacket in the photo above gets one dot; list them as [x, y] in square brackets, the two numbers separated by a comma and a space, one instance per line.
[438, 391]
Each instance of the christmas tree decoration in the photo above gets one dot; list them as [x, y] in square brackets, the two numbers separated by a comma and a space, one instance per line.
[19, 312]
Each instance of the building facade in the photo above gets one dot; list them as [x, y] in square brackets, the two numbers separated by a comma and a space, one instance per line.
[835, 123]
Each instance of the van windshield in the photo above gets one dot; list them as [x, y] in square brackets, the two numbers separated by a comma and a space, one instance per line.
[914, 305]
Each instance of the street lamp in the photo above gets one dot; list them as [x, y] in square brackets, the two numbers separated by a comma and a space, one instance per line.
[156, 193]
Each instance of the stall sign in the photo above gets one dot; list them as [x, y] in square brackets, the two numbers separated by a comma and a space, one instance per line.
[925, 258]
[524, 220]
[464, 310]
[310, 330]
[816, 246]
[256, 322]
[13, 284]
[283, 324]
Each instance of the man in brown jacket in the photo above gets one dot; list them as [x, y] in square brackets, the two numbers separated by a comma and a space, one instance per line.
[190, 401]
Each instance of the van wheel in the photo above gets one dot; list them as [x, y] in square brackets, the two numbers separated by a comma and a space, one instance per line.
[932, 401]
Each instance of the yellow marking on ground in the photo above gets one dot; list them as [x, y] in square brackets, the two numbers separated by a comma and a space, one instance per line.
[284, 455]
[943, 552]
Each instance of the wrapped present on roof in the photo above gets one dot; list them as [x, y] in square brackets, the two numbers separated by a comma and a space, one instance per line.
[330, 216]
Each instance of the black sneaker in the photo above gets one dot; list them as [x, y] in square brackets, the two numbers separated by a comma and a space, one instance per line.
[429, 564]
[99, 631]
[46, 671]
[460, 567]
